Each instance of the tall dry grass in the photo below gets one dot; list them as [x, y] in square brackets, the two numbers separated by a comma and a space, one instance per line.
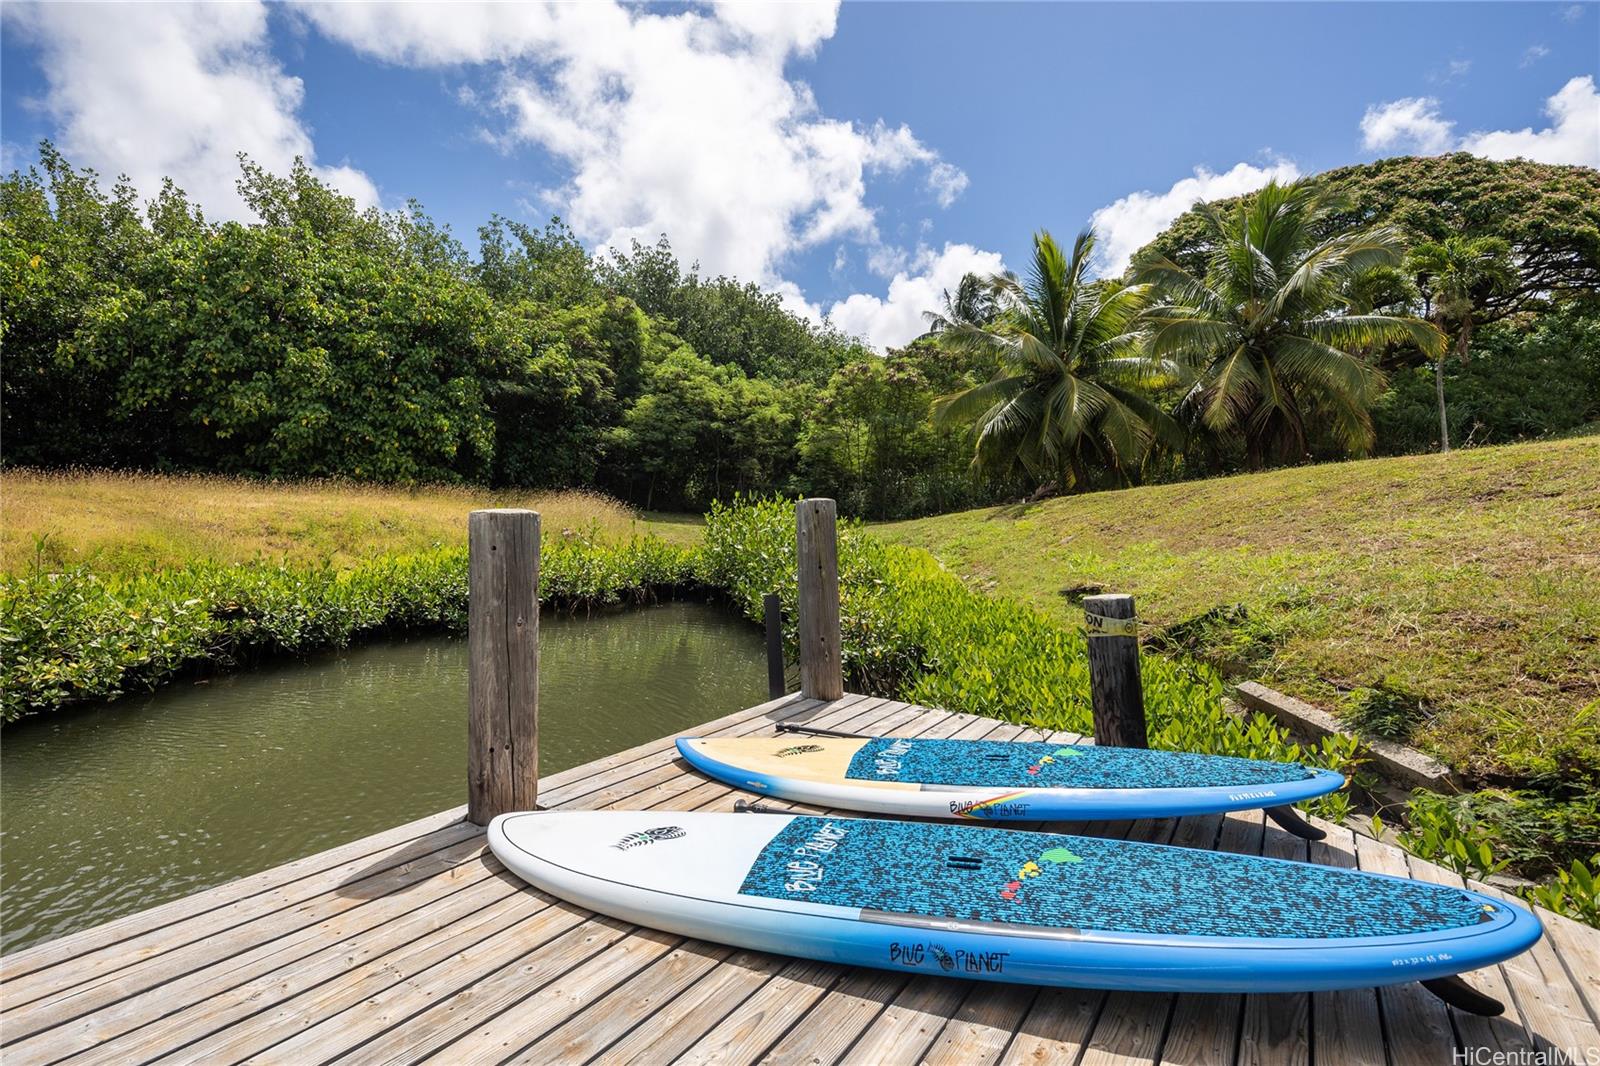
[121, 522]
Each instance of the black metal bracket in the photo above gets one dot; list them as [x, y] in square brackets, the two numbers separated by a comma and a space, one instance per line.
[1289, 819]
[1463, 997]
[790, 727]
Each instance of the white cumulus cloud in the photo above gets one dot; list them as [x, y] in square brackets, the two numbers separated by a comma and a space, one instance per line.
[1415, 124]
[1130, 223]
[158, 90]
[1573, 135]
[897, 318]
[1412, 124]
[680, 122]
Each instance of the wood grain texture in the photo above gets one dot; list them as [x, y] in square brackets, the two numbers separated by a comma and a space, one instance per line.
[502, 663]
[817, 554]
[1116, 692]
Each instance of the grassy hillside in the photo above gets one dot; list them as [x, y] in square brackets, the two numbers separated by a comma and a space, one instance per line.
[118, 523]
[1451, 599]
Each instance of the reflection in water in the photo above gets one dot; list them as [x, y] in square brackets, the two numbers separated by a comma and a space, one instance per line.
[111, 810]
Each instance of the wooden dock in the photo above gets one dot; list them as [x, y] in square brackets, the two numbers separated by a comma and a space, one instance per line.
[415, 944]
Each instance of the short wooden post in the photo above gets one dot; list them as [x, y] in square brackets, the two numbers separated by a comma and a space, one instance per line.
[817, 549]
[503, 663]
[772, 615]
[1115, 690]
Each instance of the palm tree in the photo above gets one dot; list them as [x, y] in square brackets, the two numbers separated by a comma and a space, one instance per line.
[973, 303]
[1069, 364]
[1266, 326]
[1452, 276]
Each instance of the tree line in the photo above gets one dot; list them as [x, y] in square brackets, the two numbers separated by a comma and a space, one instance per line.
[323, 341]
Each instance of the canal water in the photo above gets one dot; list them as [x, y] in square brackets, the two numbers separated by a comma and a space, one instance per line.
[110, 810]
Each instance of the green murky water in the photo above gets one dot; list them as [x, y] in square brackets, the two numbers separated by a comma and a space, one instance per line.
[113, 809]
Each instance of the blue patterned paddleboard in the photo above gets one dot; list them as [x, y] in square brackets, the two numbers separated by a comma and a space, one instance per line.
[1002, 905]
[1000, 781]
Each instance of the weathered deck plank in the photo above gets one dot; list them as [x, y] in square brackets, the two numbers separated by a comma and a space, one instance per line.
[1347, 1026]
[415, 944]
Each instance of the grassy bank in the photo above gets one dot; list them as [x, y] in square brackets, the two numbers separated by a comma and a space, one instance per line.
[118, 582]
[119, 523]
[1453, 601]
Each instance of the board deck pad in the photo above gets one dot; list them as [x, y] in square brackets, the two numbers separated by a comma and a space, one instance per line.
[1001, 781]
[1044, 879]
[1012, 764]
[1026, 907]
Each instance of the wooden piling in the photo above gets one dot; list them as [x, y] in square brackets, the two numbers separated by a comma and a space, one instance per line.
[817, 552]
[772, 615]
[1116, 692]
[503, 662]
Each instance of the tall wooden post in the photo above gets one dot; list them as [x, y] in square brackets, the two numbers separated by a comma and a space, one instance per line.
[1115, 690]
[503, 663]
[817, 549]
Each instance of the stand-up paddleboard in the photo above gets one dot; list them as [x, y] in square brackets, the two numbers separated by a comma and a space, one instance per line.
[999, 780]
[1041, 908]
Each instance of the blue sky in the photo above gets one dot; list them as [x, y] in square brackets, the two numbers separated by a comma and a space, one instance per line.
[855, 159]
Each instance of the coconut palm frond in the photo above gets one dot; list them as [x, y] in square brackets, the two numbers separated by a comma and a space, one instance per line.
[1179, 334]
[969, 405]
[1368, 331]
[1232, 390]
[1061, 339]
[1335, 374]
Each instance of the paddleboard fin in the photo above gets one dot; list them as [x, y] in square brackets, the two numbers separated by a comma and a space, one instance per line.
[746, 807]
[1289, 819]
[1463, 997]
[791, 727]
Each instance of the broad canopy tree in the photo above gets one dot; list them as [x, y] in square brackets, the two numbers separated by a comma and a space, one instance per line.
[1549, 214]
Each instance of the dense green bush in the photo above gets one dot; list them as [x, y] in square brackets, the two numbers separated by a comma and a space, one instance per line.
[321, 340]
[871, 445]
[77, 635]
[1479, 834]
[730, 323]
[1521, 382]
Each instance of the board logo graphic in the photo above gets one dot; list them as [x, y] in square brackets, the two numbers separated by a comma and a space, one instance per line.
[799, 749]
[889, 762]
[1005, 806]
[920, 955]
[649, 836]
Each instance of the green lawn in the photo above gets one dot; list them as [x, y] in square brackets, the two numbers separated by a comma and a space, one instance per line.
[1458, 596]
